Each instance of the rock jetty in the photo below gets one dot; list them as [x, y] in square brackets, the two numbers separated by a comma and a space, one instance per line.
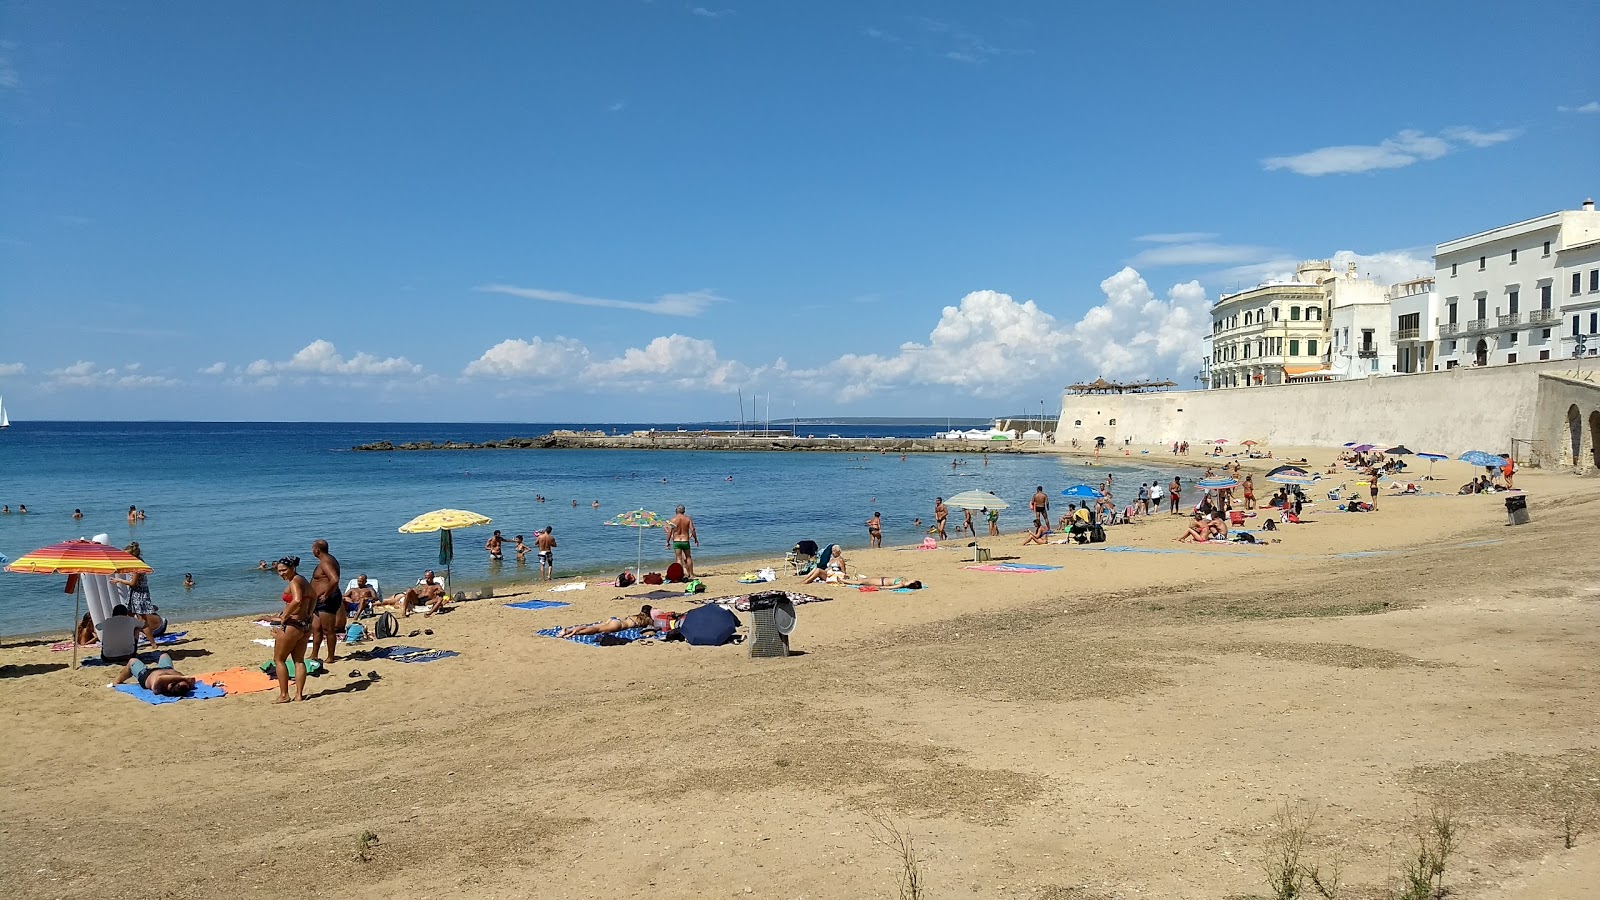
[678, 440]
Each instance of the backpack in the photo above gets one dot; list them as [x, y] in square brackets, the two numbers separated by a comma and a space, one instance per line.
[625, 579]
[355, 634]
[1097, 535]
[675, 573]
[386, 627]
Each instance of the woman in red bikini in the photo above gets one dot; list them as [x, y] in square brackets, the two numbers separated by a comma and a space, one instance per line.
[293, 628]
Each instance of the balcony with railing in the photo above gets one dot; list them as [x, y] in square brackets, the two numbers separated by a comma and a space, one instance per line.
[1477, 325]
[1367, 352]
[1404, 334]
[1449, 329]
[1543, 316]
[1508, 320]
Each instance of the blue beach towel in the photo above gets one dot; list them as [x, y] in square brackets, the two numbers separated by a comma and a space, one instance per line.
[149, 656]
[538, 604]
[626, 636]
[395, 651]
[429, 656]
[202, 691]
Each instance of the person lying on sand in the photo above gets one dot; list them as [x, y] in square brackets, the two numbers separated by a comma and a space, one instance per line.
[160, 678]
[431, 594]
[640, 619]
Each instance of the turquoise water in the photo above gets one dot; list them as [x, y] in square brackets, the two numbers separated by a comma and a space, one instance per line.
[222, 496]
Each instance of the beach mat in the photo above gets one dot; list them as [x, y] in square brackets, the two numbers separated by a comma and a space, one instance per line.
[1015, 568]
[741, 602]
[161, 640]
[537, 604]
[202, 691]
[389, 652]
[430, 656]
[626, 636]
[657, 595]
[240, 680]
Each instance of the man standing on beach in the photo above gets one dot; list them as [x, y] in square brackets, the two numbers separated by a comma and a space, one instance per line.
[1041, 505]
[546, 542]
[680, 533]
[939, 515]
[328, 602]
[1174, 494]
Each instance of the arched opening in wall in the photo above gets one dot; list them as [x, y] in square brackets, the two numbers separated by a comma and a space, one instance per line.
[1575, 431]
[1078, 423]
[1481, 357]
[1594, 438]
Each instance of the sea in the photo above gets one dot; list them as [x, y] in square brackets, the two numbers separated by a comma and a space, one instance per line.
[220, 497]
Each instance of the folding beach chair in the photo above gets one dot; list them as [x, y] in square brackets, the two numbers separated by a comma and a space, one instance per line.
[821, 562]
[772, 620]
[803, 556]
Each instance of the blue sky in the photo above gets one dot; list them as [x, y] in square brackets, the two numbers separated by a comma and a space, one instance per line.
[631, 210]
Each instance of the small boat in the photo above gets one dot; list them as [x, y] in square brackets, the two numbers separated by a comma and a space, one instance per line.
[5, 420]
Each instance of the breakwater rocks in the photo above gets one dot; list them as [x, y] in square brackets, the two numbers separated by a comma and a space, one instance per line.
[678, 440]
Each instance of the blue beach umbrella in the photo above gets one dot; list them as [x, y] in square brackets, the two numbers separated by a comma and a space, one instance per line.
[1431, 458]
[1480, 458]
[1217, 484]
[1082, 492]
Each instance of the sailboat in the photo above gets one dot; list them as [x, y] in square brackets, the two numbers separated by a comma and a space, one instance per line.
[5, 421]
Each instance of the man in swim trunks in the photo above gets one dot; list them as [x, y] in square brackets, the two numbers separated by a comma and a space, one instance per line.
[1174, 494]
[160, 678]
[1040, 504]
[494, 548]
[360, 597]
[329, 602]
[939, 515]
[680, 533]
[546, 542]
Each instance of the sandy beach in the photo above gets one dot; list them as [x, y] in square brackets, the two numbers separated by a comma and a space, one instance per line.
[1128, 725]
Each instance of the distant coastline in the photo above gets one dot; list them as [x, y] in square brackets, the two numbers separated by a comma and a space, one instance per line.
[706, 439]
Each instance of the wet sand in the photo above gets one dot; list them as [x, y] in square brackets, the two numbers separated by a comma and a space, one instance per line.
[1125, 726]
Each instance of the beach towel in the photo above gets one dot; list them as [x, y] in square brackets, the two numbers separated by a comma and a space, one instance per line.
[59, 646]
[538, 604]
[202, 691]
[1017, 568]
[657, 595]
[389, 652]
[265, 642]
[430, 656]
[240, 680]
[148, 656]
[741, 602]
[574, 586]
[627, 636]
[169, 638]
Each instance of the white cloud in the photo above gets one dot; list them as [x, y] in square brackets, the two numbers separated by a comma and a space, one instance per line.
[1405, 148]
[617, 106]
[8, 71]
[321, 358]
[1387, 266]
[1200, 253]
[691, 303]
[1593, 106]
[214, 369]
[706, 13]
[12, 369]
[537, 358]
[1135, 333]
[86, 374]
[1177, 237]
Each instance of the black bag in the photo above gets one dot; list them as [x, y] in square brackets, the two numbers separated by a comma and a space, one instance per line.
[387, 626]
[1270, 525]
[1097, 535]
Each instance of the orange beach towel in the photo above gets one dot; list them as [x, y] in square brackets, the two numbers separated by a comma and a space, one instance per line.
[241, 680]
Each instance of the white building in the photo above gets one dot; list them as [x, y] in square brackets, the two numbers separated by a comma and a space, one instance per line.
[1360, 343]
[1271, 333]
[1414, 328]
[1525, 291]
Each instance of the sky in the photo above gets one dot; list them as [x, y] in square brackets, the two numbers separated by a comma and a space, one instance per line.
[651, 211]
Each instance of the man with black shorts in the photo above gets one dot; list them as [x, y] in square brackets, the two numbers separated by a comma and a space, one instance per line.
[328, 602]
[1041, 505]
[546, 542]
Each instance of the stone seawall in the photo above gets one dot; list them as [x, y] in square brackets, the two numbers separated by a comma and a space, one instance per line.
[683, 441]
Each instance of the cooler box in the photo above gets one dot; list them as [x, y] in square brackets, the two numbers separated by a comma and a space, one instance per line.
[1517, 510]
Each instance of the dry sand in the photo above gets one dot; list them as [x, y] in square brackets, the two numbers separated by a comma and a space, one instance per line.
[1127, 726]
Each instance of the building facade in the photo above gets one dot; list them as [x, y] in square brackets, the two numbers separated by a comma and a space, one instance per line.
[1414, 325]
[1271, 333]
[1360, 340]
[1522, 292]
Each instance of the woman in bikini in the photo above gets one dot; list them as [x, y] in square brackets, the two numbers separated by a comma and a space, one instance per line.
[1249, 492]
[294, 626]
[641, 619]
[875, 530]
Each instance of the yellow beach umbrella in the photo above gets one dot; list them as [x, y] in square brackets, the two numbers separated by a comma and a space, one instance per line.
[445, 521]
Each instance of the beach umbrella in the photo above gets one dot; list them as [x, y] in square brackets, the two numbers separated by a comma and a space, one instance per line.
[1250, 443]
[1399, 450]
[1219, 441]
[640, 519]
[1364, 448]
[77, 558]
[1432, 458]
[444, 521]
[976, 500]
[1222, 482]
[1288, 470]
[1352, 443]
[1082, 492]
[1480, 458]
[1294, 477]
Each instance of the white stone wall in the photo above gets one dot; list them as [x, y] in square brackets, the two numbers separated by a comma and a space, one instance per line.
[1444, 412]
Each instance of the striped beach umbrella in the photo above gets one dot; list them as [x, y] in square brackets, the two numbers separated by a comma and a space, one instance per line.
[1296, 477]
[75, 558]
[640, 519]
[1219, 483]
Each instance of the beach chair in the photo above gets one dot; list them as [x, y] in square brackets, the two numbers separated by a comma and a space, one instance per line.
[803, 554]
[371, 583]
[772, 620]
[821, 562]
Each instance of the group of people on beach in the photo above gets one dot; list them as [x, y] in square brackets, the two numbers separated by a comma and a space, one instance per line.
[544, 541]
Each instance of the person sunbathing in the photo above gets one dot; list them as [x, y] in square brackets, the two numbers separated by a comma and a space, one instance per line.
[640, 619]
[1037, 534]
[160, 678]
[430, 594]
[86, 635]
[835, 573]
[361, 596]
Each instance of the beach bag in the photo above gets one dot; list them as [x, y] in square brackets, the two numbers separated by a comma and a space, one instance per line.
[1097, 535]
[695, 587]
[653, 578]
[386, 627]
[675, 573]
[355, 634]
[625, 579]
